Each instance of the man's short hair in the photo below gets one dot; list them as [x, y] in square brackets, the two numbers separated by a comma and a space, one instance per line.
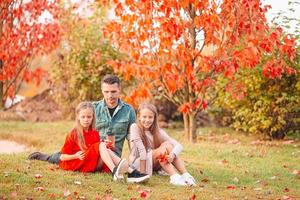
[110, 79]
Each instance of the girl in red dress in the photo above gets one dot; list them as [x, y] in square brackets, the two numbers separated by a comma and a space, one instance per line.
[83, 151]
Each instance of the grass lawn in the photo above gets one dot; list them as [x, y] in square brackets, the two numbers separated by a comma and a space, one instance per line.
[226, 165]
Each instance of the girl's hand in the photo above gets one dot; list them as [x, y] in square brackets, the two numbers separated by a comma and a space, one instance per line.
[170, 157]
[80, 155]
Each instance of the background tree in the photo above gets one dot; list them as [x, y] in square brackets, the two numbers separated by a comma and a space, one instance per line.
[27, 29]
[182, 47]
[82, 58]
[271, 107]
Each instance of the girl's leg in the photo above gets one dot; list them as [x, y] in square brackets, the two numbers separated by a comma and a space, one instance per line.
[106, 157]
[168, 167]
[177, 162]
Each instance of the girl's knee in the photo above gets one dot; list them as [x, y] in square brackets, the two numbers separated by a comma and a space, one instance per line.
[168, 146]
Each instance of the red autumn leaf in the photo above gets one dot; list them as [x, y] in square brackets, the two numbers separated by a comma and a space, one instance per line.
[193, 197]
[144, 194]
[224, 161]
[51, 196]
[38, 176]
[286, 190]
[231, 187]
[41, 189]
[163, 157]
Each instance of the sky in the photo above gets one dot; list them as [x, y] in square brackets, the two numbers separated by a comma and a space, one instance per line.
[282, 5]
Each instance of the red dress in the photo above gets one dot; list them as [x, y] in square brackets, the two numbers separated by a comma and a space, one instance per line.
[92, 155]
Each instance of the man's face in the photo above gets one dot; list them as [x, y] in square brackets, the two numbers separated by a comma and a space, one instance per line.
[111, 93]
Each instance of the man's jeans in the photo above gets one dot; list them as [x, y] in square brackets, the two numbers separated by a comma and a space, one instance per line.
[54, 158]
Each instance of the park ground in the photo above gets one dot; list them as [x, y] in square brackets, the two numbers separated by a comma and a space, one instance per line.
[226, 165]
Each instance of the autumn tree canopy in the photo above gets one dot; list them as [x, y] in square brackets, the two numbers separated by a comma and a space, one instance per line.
[180, 48]
[27, 29]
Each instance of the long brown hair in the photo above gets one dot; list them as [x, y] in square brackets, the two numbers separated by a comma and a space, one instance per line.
[78, 127]
[154, 128]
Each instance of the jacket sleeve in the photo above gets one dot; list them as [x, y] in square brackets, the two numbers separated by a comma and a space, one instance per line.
[69, 144]
[137, 142]
[177, 147]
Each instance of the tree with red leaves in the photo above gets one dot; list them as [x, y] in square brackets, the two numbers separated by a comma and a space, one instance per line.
[27, 29]
[180, 48]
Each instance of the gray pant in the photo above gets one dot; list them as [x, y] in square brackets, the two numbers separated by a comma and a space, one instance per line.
[54, 158]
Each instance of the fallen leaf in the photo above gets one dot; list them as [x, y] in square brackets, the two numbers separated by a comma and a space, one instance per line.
[205, 180]
[66, 192]
[286, 190]
[13, 194]
[193, 197]
[77, 182]
[38, 176]
[288, 142]
[225, 161]
[257, 189]
[144, 194]
[273, 177]
[51, 196]
[288, 198]
[41, 189]
[231, 187]
[296, 172]
[129, 187]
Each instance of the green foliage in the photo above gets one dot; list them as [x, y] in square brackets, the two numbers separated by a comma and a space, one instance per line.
[268, 104]
[77, 74]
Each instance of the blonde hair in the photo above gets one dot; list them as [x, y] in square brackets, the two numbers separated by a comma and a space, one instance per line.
[78, 127]
[154, 128]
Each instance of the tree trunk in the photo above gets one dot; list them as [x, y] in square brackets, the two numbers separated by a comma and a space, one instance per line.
[190, 126]
[186, 126]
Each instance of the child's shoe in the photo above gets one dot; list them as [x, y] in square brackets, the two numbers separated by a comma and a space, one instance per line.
[176, 179]
[137, 177]
[189, 179]
[119, 170]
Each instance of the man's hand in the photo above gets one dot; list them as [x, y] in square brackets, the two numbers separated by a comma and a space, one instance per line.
[79, 155]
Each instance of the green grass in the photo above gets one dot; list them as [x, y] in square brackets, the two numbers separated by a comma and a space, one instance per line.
[263, 171]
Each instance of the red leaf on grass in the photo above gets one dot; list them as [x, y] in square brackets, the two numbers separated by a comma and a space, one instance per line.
[231, 187]
[193, 197]
[286, 190]
[38, 176]
[51, 196]
[42, 189]
[144, 194]
[296, 172]
[225, 161]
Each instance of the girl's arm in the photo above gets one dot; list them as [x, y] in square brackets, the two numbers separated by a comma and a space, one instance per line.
[139, 145]
[78, 155]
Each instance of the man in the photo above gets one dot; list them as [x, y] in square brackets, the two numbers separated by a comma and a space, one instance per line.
[113, 119]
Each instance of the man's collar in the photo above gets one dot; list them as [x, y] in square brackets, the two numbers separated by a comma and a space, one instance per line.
[120, 103]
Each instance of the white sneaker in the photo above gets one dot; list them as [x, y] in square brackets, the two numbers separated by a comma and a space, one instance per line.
[188, 179]
[120, 169]
[176, 179]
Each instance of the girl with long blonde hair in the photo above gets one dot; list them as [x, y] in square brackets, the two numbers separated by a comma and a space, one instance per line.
[151, 148]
